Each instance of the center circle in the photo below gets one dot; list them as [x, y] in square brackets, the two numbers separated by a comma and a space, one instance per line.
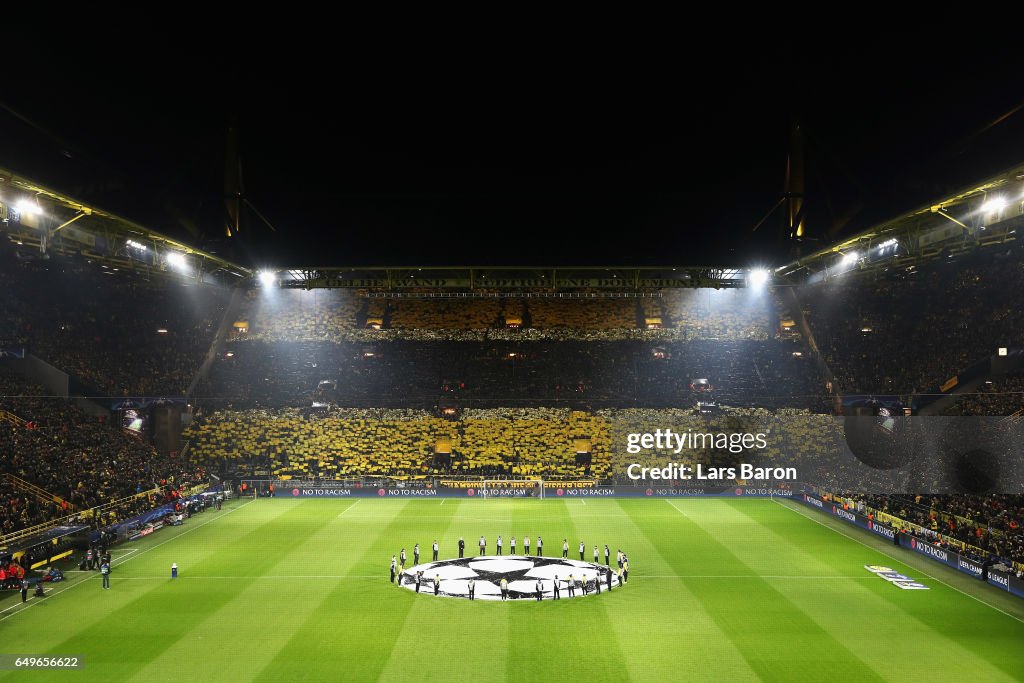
[521, 574]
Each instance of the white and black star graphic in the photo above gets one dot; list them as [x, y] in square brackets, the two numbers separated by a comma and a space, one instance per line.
[521, 574]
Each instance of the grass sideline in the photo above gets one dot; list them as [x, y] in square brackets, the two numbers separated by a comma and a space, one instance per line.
[719, 589]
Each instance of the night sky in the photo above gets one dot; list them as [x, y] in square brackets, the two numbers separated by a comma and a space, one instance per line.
[667, 158]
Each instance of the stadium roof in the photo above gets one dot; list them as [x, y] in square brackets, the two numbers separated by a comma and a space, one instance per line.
[41, 217]
[485, 279]
[983, 214]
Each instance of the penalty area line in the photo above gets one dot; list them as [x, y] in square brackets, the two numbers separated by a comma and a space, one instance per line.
[893, 557]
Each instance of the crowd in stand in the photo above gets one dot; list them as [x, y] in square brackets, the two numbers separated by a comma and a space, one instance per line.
[116, 332]
[993, 523]
[379, 368]
[551, 443]
[999, 396]
[83, 461]
[772, 373]
[911, 330]
[353, 316]
[404, 444]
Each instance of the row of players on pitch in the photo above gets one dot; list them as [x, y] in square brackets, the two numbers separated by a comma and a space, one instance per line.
[584, 582]
[512, 550]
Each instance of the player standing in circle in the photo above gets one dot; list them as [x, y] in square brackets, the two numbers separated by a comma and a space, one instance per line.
[596, 556]
[565, 548]
[437, 583]
[416, 554]
[512, 546]
[572, 586]
[526, 545]
[472, 589]
[498, 544]
[556, 595]
[402, 557]
[435, 550]
[462, 546]
[394, 565]
[483, 546]
[540, 547]
[540, 590]
[583, 549]
[607, 553]
[504, 588]
[583, 583]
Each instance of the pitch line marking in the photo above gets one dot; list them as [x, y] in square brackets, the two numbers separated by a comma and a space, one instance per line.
[673, 504]
[163, 577]
[347, 509]
[893, 557]
[54, 593]
[748, 576]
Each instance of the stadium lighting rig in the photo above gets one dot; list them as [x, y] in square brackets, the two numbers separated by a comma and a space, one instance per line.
[137, 245]
[177, 261]
[849, 258]
[994, 204]
[758, 277]
[29, 207]
[268, 278]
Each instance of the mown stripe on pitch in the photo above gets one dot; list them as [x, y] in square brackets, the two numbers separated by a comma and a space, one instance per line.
[350, 635]
[559, 637]
[777, 638]
[168, 612]
[87, 606]
[445, 638]
[663, 624]
[262, 617]
[945, 628]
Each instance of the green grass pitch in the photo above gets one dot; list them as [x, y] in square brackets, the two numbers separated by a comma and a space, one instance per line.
[719, 590]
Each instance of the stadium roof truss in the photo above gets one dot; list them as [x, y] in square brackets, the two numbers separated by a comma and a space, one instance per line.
[987, 214]
[486, 281]
[40, 217]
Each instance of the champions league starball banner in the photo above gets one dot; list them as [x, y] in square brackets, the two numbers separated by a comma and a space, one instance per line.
[880, 452]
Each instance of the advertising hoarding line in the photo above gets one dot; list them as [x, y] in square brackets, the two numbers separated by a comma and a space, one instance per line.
[893, 557]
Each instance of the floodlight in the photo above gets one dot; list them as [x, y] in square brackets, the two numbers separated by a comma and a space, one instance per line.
[28, 207]
[268, 277]
[993, 204]
[758, 277]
